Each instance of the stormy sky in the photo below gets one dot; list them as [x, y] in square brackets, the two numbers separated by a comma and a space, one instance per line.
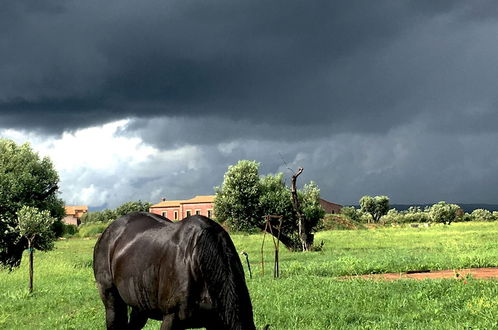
[150, 99]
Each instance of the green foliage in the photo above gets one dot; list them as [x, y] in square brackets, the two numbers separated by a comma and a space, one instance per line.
[245, 199]
[415, 214]
[339, 222]
[351, 213]
[237, 200]
[109, 215]
[35, 226]
[312, 211]
[376, 206]
[129, 207]
[443, 212]
[25, 180]
[99, 216]
[482, 215]
[92, 229]
[275, 199]
[310, 204]
[69, 230]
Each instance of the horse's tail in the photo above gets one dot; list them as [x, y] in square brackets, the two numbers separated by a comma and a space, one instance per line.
[224, 276]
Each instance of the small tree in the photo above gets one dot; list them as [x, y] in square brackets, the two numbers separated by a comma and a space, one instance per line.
[443, 212]
[35, 225]
[376, 206]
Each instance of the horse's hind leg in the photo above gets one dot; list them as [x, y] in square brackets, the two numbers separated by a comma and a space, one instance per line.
[137, 320]
[116, 311]
[170, 322]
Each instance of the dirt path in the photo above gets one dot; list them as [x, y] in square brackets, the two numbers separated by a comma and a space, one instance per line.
[478, 273]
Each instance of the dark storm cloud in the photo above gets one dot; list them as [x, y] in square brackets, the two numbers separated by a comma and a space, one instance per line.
[370, 97]
[68, 63]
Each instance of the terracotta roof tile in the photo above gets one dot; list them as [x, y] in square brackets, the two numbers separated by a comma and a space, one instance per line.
[73, 209]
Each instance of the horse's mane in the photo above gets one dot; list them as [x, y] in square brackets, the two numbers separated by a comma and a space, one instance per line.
[220, 266]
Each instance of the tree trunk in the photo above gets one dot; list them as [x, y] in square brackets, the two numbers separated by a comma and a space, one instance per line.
[303, 233]
[289, 242]
[30, 250]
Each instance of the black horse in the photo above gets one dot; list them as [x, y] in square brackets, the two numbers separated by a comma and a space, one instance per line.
[187, 274]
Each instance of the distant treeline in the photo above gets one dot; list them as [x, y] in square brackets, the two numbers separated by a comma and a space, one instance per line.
[108, 215]
[467, 208]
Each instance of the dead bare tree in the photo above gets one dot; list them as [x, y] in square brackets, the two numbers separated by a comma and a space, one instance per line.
[303, 235]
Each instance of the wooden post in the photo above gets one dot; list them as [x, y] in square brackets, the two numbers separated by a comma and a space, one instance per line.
[30, 250]
[262, 253]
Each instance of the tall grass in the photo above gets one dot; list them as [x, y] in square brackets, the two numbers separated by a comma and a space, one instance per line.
[308, 295]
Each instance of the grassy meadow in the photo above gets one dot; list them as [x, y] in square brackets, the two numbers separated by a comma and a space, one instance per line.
[309, 294]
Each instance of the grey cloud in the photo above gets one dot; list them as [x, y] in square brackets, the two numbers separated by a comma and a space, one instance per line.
[375, 97]
[80, 63]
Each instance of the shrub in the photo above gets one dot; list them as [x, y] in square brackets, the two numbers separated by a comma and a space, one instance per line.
[351, 213]
[416, 214]
[69, 230]
[443, 212]
[482, 215]
[92, 229]
[338, 222]
[392, 217]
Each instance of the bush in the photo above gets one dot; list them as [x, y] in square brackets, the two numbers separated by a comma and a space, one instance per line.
[482, 215]
[92, 229]
[338, 222]
[444, 212]
[392, 217]
[351, 213]
[69, 230]
[416, 215]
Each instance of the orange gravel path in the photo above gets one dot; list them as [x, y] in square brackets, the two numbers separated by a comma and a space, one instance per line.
[477, 273]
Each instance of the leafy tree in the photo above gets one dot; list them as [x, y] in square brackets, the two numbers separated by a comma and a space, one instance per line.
[244, 199]
[443, 212]
[25, 180]
[129, 207]
[275, 199]
[35, 225]
[311, 209]
[376, 206]
[237, 200]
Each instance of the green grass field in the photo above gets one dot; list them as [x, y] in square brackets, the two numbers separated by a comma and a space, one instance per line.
[309, 294]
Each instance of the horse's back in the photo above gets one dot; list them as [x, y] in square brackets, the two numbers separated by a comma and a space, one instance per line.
[119, 233]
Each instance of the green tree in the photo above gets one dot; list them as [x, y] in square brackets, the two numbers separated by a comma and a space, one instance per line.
[237, 200]
[128, 207]
[443, 212]
[376, 206]
[25, 180]
[312, 210]
[275, 199]
[35, 226]
[245, 198]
